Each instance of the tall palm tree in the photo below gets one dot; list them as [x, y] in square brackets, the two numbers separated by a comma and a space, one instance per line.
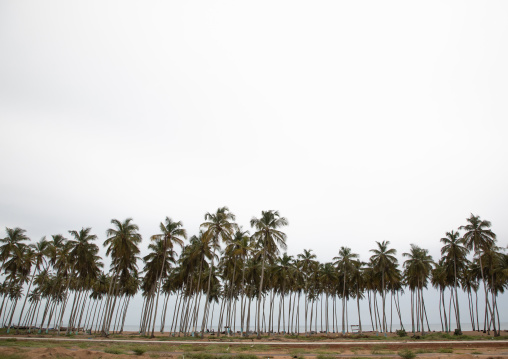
[454, 251]
[18, 267]
[239, 249]
[8, 245]
[39, 252]
[86, 264]
[172, 233]
[122, 246]
[157, 264]
[439, 280]
[418, 268]
[358, 280]
[479, 237]
[307, 263]
[270, 238]
[218, 226]
[383, 258]
[344, 262]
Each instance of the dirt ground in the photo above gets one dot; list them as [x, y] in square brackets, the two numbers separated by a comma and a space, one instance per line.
[355, 351]
[319, 346]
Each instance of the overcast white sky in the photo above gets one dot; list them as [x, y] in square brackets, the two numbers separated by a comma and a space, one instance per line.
[359, 121]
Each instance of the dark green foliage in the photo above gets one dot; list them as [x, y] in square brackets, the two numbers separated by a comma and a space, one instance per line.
[139, 351]
[401, 333]
[407, 354]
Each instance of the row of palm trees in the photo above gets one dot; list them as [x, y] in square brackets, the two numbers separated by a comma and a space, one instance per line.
[257, 289]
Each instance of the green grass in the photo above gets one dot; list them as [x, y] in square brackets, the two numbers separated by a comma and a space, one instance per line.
[114, 350]
[355, 349]
[381, 351]
[246, 348]
[214, 356]
[407, 354]
[476, 352]
[139, 351]
[447, 336]
[423, 351]
[445, 350]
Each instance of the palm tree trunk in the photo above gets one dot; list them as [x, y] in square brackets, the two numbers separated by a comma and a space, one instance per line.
[112, 284]
[24, 302]
[440, 310]
[471, 313]
[486, 295]
[456, 296]
[158, 291]
[397, 305]
[196, 304]
[207, 296]
[391, 310]
[125, 314]
[65, 300]
[412, 312]
[85, 299]
[358, 306]
[370, 309]
[260, 291]
[343, 301]
[179, 297]
[384, 300]
[98, 304]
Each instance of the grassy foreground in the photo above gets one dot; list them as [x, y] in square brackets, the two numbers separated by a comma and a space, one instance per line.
[366, 346]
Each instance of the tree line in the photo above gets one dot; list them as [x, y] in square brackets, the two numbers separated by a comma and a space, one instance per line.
[256, 285]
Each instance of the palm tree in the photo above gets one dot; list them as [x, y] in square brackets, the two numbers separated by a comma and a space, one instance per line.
[157, 264]
[122, 246]
[284, 271]
[172, 233]
[307, 263]
[218, 226]
[358, 280]
[86, 265]
[327, 277]
[454, 251]
[344, 262]
[18, 266]
[10, 244]
[38, 259]
[418, 269]
[479, 237]
[238, 249]
[383, 258]
[270, 238]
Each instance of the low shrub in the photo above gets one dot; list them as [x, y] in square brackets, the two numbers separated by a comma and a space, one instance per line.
[407, 354]
[401, 333]
[113, 351]
[446, 350]
[139, 351]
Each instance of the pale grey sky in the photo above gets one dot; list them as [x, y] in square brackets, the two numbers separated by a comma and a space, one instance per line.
[358, 120]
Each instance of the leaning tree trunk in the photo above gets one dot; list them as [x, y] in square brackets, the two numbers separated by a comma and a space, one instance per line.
[260, 289]
[207, 304]
[358, 305]
[24, 302]
[456, 296]
[486, 295]
[158, 291]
